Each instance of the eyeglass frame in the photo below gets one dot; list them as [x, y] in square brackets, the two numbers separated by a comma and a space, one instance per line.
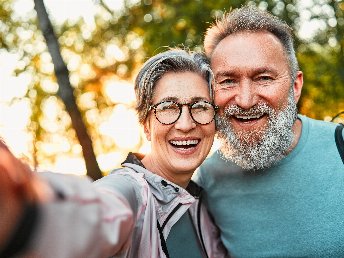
[180, 106]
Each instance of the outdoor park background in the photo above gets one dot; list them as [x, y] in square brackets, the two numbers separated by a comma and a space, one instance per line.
[103, 43]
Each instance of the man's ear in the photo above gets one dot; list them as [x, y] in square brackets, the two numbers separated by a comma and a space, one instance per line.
[298, 86]
[146, 129]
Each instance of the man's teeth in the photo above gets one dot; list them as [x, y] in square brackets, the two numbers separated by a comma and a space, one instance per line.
[248, 117]
[188, 142]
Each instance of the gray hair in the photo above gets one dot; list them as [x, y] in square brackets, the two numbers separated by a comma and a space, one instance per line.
[250, 18]
[174, 60]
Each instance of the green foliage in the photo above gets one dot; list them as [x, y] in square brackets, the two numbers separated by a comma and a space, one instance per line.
[179, 23]
[146, 28]
[322, 61]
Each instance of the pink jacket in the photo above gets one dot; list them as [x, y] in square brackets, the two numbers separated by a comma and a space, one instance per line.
[117, 216]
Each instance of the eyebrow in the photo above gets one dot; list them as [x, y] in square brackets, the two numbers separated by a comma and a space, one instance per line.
[224, 74]
[256, 71]
[264, 70]
[175, 99]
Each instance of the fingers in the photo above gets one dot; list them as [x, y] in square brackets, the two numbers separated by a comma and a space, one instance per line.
[18, 180]
[14, 174]
[19, 188]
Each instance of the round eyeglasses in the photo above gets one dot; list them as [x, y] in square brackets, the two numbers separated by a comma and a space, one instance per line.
[168, 112]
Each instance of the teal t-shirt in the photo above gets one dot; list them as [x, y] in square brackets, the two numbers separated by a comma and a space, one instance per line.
[293, 209]
[182, 241]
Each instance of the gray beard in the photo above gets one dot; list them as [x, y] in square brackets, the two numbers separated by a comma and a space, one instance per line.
[257, 149]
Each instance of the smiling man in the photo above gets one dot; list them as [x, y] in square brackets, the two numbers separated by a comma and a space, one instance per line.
[276, 186]
[258, 96]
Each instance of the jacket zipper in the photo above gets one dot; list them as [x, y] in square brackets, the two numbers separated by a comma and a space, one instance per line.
[199, 225]
[161, 228]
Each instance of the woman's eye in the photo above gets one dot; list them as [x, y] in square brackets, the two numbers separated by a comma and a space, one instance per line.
[169, 107]
[166, 106]
[201, 106]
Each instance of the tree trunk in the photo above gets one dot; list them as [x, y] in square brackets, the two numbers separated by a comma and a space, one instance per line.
[65, 91]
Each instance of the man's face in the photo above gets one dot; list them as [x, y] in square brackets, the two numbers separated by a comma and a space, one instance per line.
[256, 96]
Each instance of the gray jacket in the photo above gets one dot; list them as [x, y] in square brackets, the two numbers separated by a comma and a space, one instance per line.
[117, 216]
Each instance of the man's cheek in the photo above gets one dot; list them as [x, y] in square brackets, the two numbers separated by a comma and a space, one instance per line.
[221, 100]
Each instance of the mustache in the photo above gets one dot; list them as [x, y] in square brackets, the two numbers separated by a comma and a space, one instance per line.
[258, 109]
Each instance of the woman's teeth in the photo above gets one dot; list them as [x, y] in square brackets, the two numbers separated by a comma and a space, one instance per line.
[187, 143]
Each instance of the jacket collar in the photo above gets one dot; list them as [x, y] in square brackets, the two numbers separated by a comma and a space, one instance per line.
[134, 158]
[162, 189]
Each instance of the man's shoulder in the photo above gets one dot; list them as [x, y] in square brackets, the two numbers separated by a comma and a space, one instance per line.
[318, 138]
[214, 159]
[317, 129]
[216, 163]
[316, 123]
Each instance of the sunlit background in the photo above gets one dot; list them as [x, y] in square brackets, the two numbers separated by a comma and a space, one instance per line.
[118, 131]
[119, 123]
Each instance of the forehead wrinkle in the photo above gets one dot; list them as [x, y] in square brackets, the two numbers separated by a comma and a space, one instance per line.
[236, 72]
[246, 54]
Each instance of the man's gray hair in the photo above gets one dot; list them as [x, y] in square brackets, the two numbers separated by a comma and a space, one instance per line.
[174, 60]
[252, 19]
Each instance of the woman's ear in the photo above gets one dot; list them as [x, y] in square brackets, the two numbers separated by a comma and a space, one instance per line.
[146, 129]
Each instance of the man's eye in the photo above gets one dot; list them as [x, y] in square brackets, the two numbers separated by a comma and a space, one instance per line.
[226, 83]
[264, 78]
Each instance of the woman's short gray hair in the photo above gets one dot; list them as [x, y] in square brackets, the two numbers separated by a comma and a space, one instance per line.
[174, 60]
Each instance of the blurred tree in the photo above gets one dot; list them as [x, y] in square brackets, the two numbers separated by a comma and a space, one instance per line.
[66, 91]
[158, 24]
[155, 25]
[322, 60]
[113, 44]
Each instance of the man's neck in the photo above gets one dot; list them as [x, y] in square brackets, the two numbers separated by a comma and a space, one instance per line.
[297, 129]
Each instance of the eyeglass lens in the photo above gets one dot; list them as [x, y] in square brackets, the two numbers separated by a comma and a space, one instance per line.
[168, 112]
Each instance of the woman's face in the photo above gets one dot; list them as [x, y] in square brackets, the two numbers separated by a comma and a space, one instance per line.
[179, 148]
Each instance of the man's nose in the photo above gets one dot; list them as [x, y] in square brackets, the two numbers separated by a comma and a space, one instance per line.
[185, 121]
[246, 95]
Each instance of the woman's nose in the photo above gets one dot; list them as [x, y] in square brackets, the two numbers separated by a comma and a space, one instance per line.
[185, 121]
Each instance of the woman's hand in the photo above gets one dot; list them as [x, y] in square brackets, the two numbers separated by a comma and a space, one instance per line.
[19, 186]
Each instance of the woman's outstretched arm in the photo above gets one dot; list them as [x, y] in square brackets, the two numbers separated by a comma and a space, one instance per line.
[54, 215]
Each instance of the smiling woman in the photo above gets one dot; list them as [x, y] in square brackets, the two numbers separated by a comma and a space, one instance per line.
[148, 207]
[182, 132]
